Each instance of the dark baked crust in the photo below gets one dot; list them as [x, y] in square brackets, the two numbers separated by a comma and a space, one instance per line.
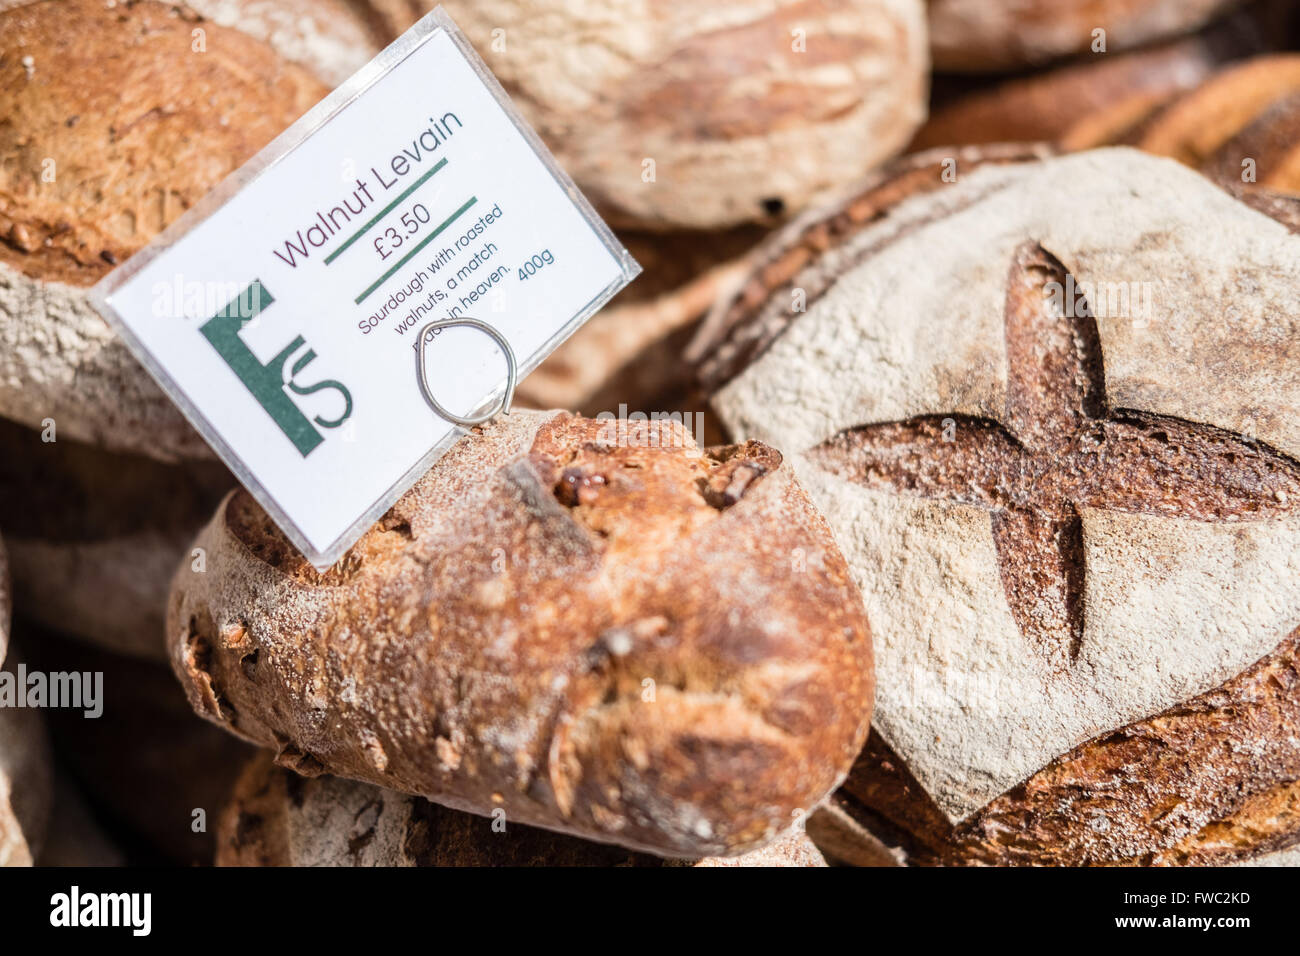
[1212, 781]
[986, 35]
[491, 641]
[140, 127]
[1104, 91]
[276, 818]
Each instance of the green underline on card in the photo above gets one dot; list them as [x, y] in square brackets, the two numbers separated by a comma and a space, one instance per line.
[423, 242]
[385, 211]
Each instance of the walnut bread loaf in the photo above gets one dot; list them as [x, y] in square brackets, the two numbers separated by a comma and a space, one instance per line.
[670, 114]
[277, 818]
[594, 628]
[1052, 415]
[113, 127]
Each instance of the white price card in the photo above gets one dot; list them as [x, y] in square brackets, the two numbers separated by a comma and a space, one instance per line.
[283, 313]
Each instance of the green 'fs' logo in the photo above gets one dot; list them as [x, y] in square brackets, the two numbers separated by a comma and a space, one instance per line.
[268, 381]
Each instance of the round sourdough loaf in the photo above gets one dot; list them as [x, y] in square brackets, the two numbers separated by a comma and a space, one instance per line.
[276, 818]
[94, 537]
[113, 128]
[594, 628]
[978, 35]
[1051, 411]
[683, 114]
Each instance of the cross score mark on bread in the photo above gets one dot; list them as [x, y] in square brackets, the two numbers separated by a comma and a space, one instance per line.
[1059, 449]
[1102, 540]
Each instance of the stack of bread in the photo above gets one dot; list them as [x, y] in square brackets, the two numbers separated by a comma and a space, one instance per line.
[988, 552]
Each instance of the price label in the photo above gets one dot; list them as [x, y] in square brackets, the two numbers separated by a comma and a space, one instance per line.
[284, 313]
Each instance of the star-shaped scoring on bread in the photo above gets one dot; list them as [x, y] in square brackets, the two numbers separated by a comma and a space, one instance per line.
[1058, 449]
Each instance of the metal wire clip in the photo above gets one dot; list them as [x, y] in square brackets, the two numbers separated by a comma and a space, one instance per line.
[421, 363]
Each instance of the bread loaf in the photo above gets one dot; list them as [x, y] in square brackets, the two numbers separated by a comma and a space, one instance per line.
[94, 537]
[1101, 94]
[671, 114]
[610, 635]
[1240, 126]
[114, 127]
[1050, 412]
[276, 818]
[978, 35]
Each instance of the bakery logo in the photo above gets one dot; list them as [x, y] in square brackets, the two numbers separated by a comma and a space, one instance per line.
[1100, 300]
[267, 381]
[74, 690]
[75, 909]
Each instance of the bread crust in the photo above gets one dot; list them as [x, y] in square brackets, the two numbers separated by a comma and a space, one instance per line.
[987, 35]
[276, 818]
[710, 94]
[157, 128]
[1090, 102]
[1240, 126]
[1207, 769]
[629, 643]
[1212, 781]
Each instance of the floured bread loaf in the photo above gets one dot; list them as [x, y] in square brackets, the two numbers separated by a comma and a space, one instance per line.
[95, 537]
[1052, 415]
[607, 634]
[113, 128]
[334, 38]
[277, 818]
[1007, 34]
[671, 114]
